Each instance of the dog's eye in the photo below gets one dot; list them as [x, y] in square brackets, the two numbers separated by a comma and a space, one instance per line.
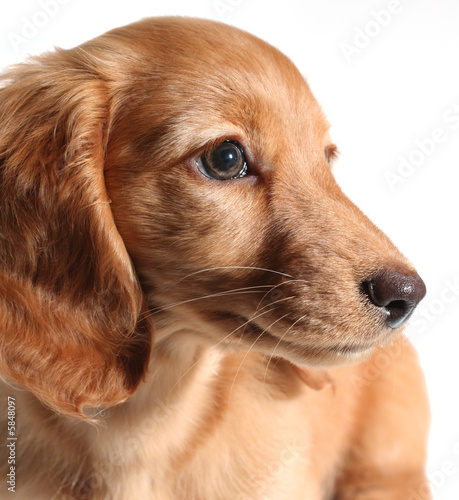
[225, 161]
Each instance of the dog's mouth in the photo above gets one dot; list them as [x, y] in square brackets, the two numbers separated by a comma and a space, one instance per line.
[298, 351]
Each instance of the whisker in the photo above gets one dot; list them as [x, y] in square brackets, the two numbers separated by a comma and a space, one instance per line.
[270, 304]
[236, 291]
[232, 267]
[278, 285]
[214, 347]
[250, 348]
[277, 345]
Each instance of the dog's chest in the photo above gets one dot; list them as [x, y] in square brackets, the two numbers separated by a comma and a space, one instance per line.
[212, 442]
[226, 465]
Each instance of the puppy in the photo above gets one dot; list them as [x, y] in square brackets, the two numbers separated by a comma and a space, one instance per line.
[190, 308]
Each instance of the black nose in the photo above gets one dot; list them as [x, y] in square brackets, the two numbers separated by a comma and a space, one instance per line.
[396, 294]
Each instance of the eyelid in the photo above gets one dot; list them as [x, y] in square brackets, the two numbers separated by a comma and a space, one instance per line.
[215, 143]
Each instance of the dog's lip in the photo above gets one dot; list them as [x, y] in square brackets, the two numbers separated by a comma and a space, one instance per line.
[256, 331]
[351, 348]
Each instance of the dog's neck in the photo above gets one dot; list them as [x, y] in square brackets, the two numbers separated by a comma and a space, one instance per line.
[170, 392]
[169, 409]
[175, 366]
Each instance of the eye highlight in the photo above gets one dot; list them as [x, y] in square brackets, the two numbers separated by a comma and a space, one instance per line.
[225, 161]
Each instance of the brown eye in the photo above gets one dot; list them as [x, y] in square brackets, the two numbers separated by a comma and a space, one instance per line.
[224, 162]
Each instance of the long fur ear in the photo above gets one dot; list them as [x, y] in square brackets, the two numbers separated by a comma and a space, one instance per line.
[73, 328]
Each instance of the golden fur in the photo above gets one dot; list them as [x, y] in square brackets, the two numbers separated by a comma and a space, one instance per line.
[167, 335]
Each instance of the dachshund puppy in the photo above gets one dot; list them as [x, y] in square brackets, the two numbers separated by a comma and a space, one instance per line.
[190, 307]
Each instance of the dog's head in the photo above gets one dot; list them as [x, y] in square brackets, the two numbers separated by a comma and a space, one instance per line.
[177, 169]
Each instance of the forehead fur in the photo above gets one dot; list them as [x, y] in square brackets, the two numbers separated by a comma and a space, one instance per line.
[213, 79]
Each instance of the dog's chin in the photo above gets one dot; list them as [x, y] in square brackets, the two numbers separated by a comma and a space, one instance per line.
[300, 352]
[331, 357]
[312, 356]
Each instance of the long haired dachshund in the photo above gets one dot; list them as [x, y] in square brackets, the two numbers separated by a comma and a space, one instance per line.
[190, 307]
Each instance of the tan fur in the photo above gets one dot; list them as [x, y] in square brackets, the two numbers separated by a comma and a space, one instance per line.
[267, 374]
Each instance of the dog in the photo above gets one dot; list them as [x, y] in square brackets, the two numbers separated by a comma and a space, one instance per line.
[190, 307]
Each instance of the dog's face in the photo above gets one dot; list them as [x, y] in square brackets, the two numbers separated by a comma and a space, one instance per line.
[177, 170]
[219, 173]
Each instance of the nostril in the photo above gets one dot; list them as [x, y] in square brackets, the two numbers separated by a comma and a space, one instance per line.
[396, 294]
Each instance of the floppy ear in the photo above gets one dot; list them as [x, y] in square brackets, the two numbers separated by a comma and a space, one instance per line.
[73, 327]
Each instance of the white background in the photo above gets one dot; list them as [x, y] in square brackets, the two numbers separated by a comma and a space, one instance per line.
[387, 81]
